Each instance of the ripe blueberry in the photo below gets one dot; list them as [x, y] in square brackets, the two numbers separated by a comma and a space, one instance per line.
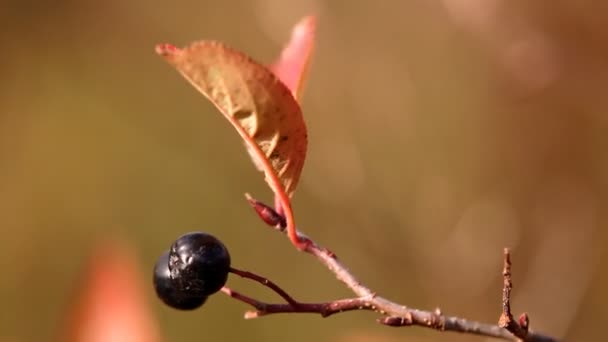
[168, 292]
[199, 263]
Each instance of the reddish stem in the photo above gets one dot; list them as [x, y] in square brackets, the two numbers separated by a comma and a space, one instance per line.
[266, 282]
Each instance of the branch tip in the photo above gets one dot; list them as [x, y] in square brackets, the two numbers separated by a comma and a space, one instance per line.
[518, 328]
[251, 314]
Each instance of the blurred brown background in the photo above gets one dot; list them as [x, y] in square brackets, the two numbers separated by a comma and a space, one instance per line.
[440, 131]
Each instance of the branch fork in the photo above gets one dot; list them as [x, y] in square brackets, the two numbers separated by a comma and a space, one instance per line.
[517, 328]
[393, 314]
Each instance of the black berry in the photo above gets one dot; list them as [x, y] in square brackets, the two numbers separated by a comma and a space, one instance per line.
[199, 264]
[171, 294]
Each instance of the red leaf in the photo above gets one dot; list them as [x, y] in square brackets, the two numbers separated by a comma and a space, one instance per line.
[110, 303]
[293, 64]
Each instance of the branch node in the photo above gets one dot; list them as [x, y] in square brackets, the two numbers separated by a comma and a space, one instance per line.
[437, 320]
[393, 321]
[270, 216]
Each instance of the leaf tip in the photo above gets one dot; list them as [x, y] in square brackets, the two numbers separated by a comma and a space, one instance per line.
[306, 25]
[165, 49]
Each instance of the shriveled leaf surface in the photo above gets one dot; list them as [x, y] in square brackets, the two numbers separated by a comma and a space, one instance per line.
[254, 100]
[293, 64]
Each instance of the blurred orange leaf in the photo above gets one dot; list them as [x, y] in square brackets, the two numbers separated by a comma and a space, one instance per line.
[110, 303]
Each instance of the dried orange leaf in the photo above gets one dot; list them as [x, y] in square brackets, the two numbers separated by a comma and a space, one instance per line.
[258, 105]
[294, 62]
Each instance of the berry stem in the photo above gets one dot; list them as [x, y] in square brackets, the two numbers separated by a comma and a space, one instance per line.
[266, 282]
[324, 309]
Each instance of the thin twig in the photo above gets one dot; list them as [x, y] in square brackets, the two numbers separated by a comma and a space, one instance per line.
[323, 309]
[266, 282]
[506, 318]
[395, 314]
